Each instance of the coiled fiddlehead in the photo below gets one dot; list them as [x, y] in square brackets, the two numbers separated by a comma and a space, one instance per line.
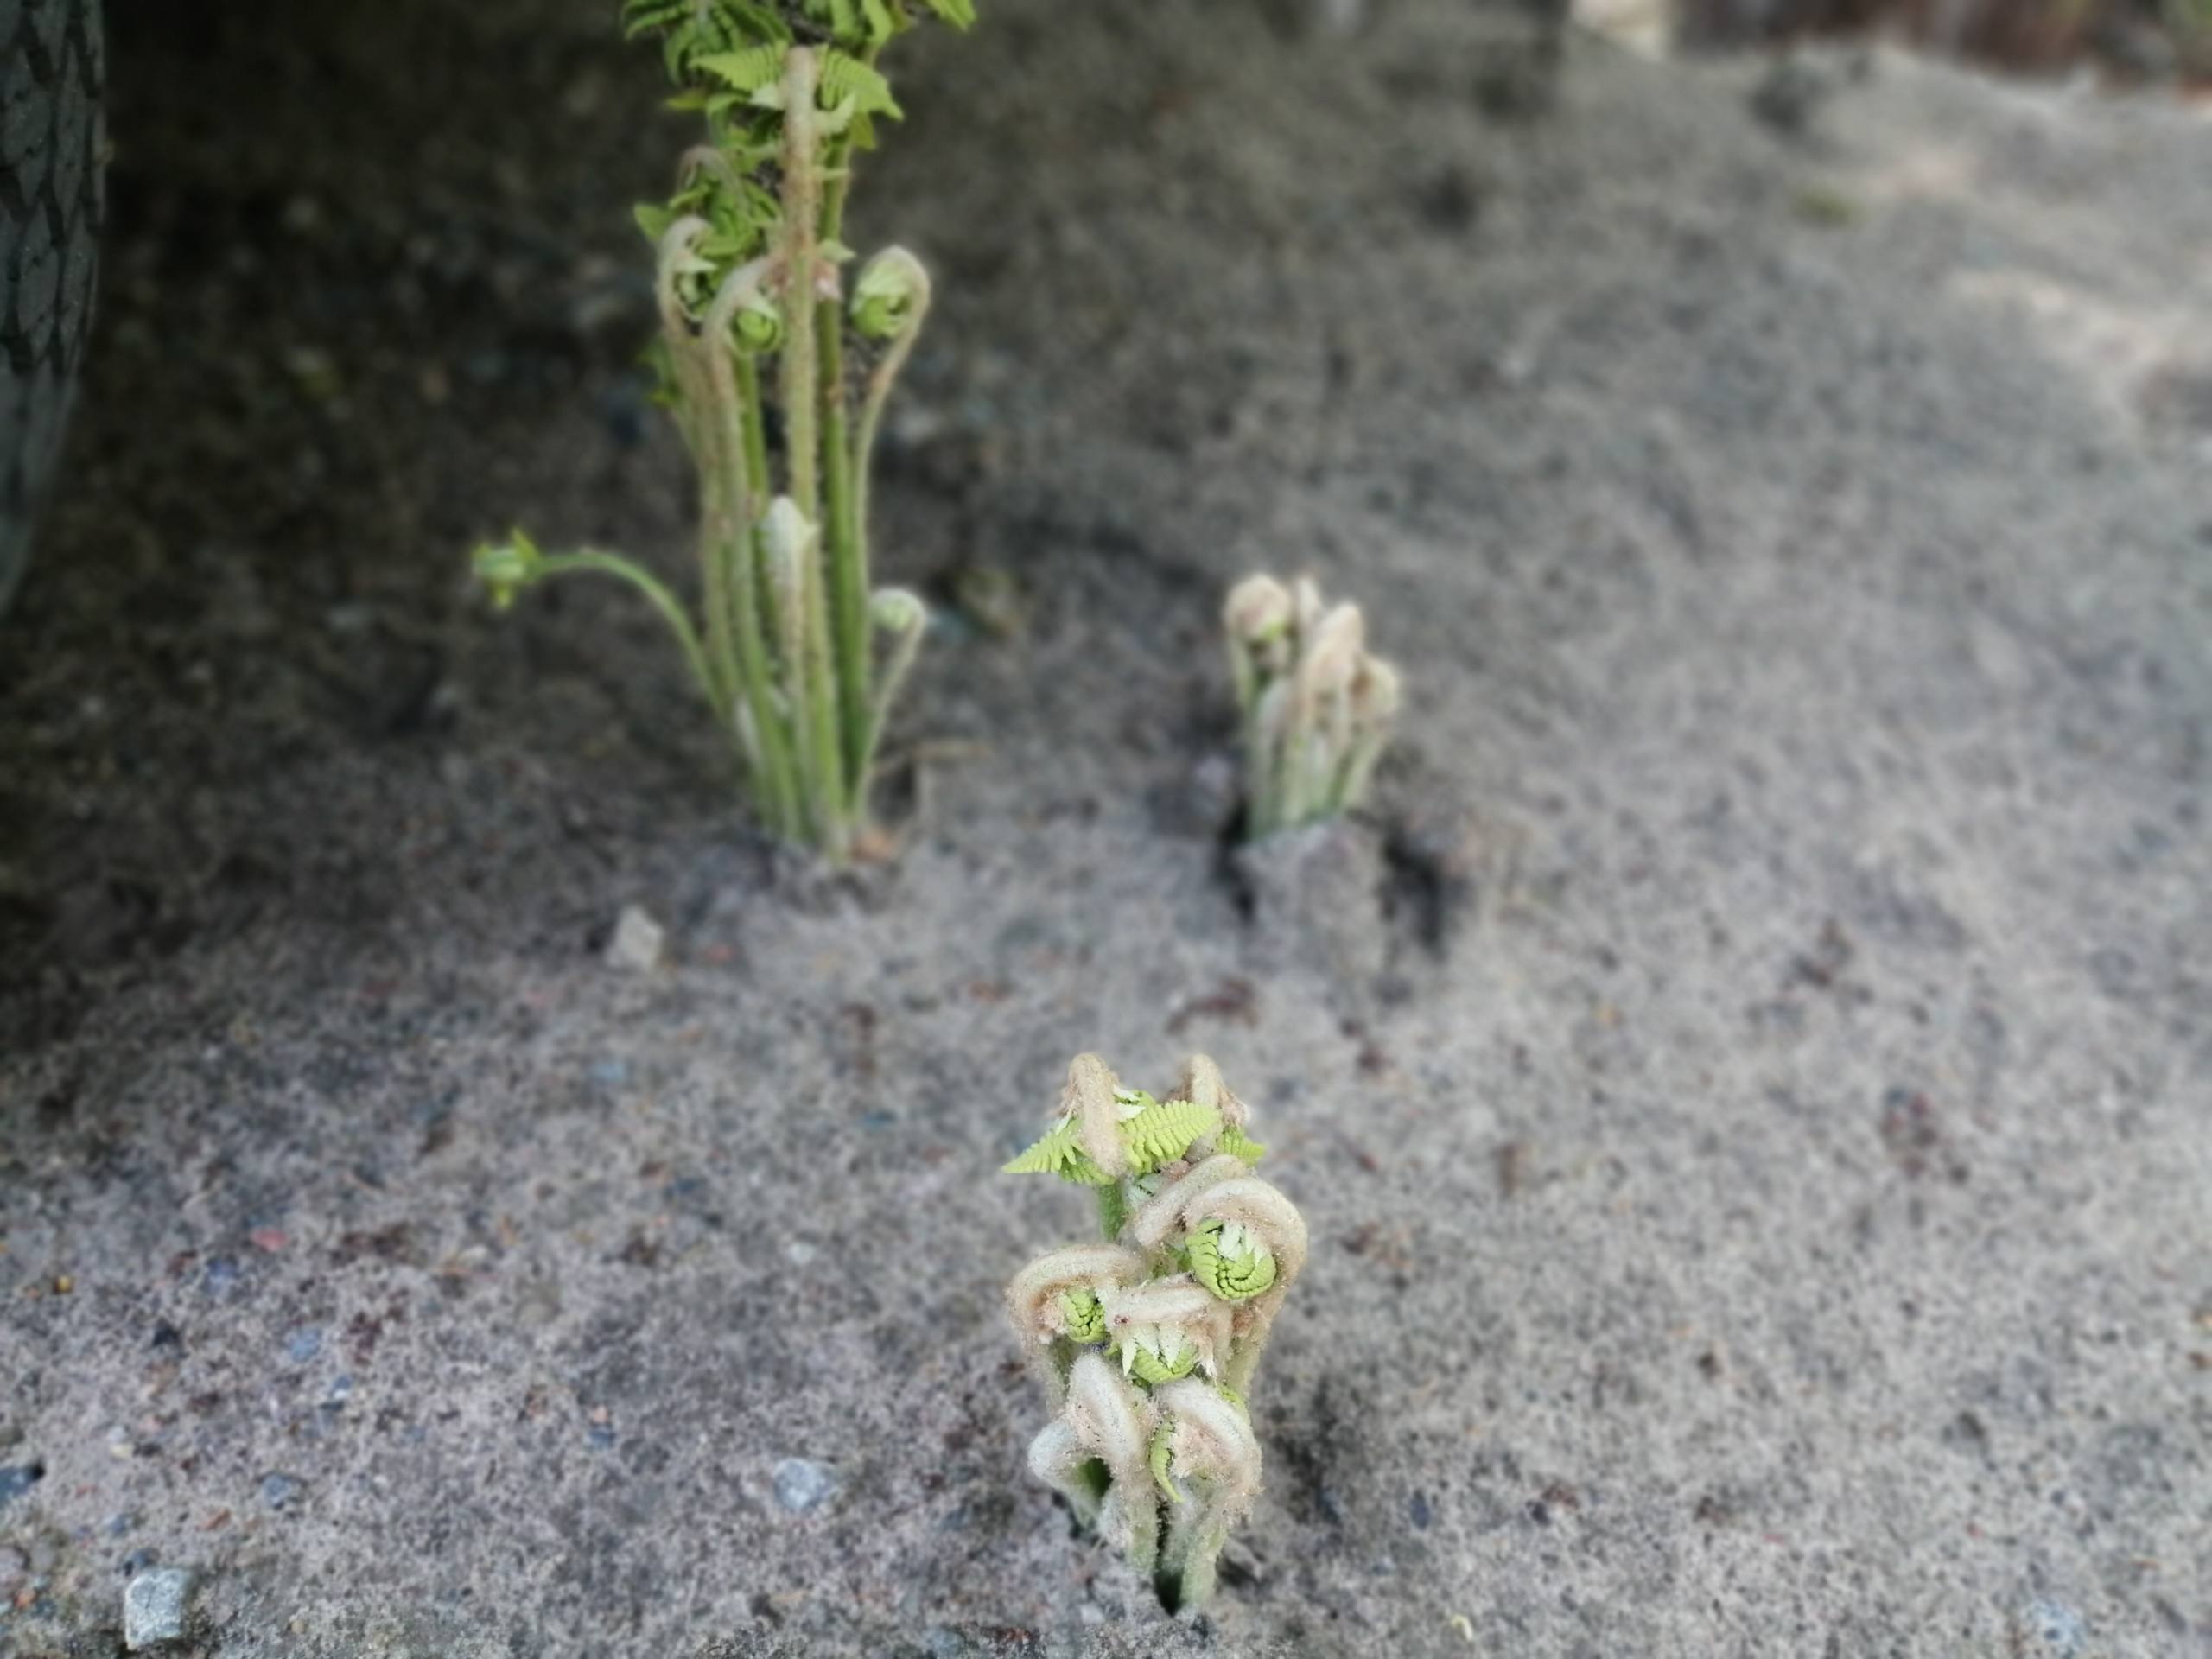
[1171, 1311]
[1055, 1304]
[1231, 1260]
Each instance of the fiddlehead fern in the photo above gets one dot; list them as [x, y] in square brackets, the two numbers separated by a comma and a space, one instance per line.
[1171, 1311]
[1318, 707]
[784, 640]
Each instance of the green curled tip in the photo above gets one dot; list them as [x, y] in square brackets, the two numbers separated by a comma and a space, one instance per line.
[1163, 1453]
[1231, 1260]
[1083, 1316]
[506, 567]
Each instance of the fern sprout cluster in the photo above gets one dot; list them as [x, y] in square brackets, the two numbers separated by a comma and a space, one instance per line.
[1318, 707]
[1147, 1341]
[796, 654]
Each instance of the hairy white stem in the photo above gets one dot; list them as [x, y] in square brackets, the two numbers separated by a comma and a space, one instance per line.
[1215, 1464]
[1114, 1422]
[1202, 1082]
[1056, 1458]
[1089, 1098]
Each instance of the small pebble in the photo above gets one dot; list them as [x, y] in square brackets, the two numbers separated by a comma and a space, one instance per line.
[19, 1478]
[610, 1073]
[2059, 1626]
[599, 1437]
[277, 1491]
[303, 1344]
[804, 1484]
[117, 1525]
[153, 1607]
[221, 1280]
[638, 942]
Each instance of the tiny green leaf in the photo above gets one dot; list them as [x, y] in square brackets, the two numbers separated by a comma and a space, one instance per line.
[1237, 1144]
[1164, 1130]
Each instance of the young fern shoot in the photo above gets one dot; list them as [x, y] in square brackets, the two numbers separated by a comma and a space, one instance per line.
[1146, 1343]
[798, 655]
[1317, 709]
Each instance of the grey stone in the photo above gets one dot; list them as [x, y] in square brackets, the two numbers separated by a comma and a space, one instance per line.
[154, 1607]
[638, 945]
[279, 1492]
[19, 1478]
[804, 1484]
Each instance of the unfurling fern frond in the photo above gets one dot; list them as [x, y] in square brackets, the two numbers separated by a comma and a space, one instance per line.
[756, 73]
[846, 79]
[1059, 1154]
[1083, 1317]
[856, 22]
[1162, 1456]
[1163, 1131]
[1231, 1260]
[1237, 1144]
[691, 30]
[755, 77]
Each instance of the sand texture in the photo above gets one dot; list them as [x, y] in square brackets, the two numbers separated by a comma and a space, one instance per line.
[1750, 1079]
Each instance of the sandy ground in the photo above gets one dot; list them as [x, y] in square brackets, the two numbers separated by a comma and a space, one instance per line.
[1751, 1084]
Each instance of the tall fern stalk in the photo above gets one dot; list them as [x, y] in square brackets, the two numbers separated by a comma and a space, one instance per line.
[798, 655]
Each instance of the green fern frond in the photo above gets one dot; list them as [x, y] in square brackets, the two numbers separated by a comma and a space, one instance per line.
[845, 78]
[1059, 1154]
[961, 14]
[1237, 1144]
[1164, 1130]
[749, 72]
[1050, 1155]
[1162, 1455]
[691, 30]
[755, 77]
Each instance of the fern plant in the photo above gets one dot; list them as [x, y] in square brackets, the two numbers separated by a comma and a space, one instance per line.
[1145, 1342]
[1317, 709]
[796, 654]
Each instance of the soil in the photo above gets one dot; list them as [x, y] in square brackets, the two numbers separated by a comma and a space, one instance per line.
[1749, 1080]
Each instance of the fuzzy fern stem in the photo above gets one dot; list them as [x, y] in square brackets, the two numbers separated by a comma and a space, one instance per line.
[802, 362]
[843, 537]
